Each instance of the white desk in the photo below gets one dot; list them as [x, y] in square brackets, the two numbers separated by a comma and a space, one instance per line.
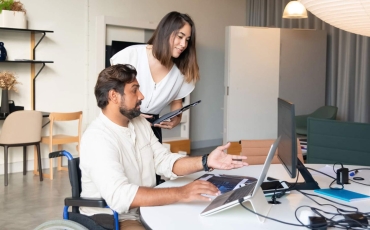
[186, 215]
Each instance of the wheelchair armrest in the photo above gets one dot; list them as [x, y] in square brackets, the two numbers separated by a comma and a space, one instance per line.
[83, 202]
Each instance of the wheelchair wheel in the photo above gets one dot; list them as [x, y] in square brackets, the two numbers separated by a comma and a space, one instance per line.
[60, 225]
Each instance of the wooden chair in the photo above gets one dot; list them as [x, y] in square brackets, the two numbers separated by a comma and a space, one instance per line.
[22, 128]
[61, 139]
[257, 150]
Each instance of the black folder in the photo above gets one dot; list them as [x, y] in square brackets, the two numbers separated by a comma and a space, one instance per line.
[174, 113]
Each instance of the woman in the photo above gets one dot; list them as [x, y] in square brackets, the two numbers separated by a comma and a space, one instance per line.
[167, 67]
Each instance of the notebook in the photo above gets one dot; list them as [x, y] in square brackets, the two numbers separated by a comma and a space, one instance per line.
[342, 194]
[231, 199]
[174, 113]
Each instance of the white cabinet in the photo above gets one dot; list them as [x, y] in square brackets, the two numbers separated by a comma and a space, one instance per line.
[262, 64]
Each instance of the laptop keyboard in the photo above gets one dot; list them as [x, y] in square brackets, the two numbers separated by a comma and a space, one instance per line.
[241, 192]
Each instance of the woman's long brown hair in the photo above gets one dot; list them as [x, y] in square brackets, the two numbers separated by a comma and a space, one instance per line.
[187, 61]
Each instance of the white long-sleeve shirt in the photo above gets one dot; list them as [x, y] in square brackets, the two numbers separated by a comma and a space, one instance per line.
[115, 161]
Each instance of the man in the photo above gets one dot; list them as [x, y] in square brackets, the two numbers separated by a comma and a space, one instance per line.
[120, 155]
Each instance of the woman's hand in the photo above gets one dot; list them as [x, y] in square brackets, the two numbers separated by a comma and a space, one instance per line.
[169, 124]
[173, 122]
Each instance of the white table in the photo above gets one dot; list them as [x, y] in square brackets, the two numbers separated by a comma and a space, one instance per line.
[186, 215]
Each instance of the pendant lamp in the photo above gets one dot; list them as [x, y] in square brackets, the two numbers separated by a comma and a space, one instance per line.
[295, 10]
[352, 16]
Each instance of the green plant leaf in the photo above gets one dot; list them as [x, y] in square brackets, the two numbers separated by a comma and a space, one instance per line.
[6, 5]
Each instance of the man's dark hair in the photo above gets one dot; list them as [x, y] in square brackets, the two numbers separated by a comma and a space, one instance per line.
[113, 77]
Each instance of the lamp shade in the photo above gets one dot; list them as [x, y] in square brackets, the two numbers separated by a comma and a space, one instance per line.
[352, 16]
[294, 9]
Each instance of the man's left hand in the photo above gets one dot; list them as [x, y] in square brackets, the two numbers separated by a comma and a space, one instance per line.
[218, 159]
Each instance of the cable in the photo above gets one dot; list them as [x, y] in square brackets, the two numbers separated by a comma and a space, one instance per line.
[330, 222]
[282, 193]
[348, 171]
[321, 172]
[359, 170]
[280, 221]
[324, 198]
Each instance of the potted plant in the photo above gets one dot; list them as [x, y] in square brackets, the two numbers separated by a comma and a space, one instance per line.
[12, 14]
[8, 81]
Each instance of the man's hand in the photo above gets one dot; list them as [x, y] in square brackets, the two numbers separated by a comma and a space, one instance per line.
[218, 159]
[169, 124]
[193, 191]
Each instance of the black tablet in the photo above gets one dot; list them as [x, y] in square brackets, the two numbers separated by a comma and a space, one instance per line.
[174, 113]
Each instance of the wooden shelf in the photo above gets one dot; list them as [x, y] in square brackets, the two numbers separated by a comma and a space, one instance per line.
[32, 60]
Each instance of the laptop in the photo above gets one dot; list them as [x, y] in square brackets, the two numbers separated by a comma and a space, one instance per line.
[174, 113]
[246, 192]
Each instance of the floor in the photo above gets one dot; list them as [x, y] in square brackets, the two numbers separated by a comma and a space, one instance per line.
[26, 202]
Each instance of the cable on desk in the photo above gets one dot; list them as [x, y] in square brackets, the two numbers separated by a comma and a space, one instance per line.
[358, 169]
[334, 179]
[342, 224]
[324, 198]
[320, 172]
[282, 193]
[280, 221]
[348, 171]
[330, 222]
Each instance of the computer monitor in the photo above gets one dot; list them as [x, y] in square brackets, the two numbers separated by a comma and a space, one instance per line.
[287, 149]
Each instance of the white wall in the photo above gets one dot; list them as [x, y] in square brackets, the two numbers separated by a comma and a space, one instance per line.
[67, 84]
[61, 86]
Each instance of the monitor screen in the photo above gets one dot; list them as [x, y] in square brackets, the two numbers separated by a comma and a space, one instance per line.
[287, 150]
[116, 47]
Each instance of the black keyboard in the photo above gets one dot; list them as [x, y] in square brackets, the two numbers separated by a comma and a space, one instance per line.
[241, 192]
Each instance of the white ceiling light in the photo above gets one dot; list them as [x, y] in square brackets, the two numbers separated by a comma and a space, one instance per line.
[352, 16]
[295, 10]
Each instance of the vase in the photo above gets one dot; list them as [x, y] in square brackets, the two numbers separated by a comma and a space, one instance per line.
[4, 103]
[2, 52]
[13, 19]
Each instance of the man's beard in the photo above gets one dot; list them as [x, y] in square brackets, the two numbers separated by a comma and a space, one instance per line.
[130, 113]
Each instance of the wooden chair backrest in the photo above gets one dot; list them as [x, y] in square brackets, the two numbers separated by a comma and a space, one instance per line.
[66, 117]
[257, 150]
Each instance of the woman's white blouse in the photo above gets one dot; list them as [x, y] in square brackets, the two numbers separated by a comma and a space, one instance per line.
[156, 95]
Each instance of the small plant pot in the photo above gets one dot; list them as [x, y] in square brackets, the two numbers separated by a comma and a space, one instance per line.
[13, 19]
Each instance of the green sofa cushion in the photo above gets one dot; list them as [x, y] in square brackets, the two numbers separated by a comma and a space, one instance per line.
[331, 141]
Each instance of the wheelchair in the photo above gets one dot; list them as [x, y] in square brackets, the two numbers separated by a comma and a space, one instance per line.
[73, 219]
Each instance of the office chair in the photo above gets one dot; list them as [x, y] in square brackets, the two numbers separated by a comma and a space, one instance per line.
[257, 150]
[61, 139]
[21, 128]
[324, 112]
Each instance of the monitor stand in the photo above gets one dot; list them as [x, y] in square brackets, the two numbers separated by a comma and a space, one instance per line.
[309, 184]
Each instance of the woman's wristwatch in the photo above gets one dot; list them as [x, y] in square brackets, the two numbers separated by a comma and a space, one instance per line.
[205, 163]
